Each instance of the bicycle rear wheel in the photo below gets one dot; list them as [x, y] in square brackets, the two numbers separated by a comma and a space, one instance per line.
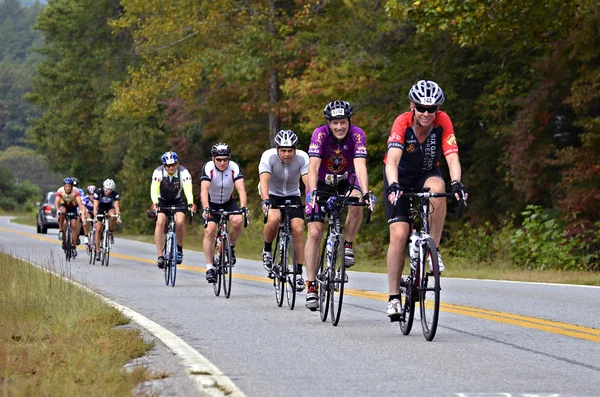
[278, 269]
[288, 266]
[429, 294]
[226, 266]
[407, 299]
[217, 262]
[323, 285]
[337, 272]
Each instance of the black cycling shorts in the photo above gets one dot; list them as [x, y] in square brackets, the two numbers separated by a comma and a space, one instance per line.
[294, 212]
[399, 212]
[228, 206]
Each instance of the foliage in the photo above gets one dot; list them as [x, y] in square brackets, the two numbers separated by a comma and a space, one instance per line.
[17, 66]
[541, 242]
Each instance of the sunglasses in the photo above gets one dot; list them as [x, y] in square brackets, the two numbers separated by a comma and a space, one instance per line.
[222, 160]
[423, 109]
[171, 165]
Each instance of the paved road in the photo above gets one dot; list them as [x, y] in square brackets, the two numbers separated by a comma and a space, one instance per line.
[494, 338]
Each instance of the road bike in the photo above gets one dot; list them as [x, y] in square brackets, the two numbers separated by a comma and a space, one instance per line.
[68, 247]
[222, 252]
[170, 252]
[422, 284]
[284, 268]
[332, 276]
[105, 242]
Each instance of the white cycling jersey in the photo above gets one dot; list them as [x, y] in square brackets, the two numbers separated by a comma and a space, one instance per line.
[222, 183]
[285, 178]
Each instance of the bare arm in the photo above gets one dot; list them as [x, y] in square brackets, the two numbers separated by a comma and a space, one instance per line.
[454, 166]
[391, 168]
[360, 165]
[204, 187]
[241, 189]
[313, 173]
[264, 178]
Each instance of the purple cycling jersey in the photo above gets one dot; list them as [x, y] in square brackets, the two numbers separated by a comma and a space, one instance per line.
[337, 155]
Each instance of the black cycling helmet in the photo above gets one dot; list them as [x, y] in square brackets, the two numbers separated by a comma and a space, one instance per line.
[220, 149]
[426, 93]
[286, 138]
[338, 110]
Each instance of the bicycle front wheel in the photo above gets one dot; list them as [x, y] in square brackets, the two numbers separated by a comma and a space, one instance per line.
[226, 266]
[67, 238]
[278, 273]
[104, 247]
[217, 262]
[337, 272]
[323, 284]
[174, 259]
[407, 300]
[90, 248]
[289, 267]
[429, 293]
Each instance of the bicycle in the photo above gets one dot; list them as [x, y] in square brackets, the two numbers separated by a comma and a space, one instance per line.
[170, 252]
[284, 268]
[105, 244]
[422, 284]
[332, 276]
[222, 251]
[68, 246]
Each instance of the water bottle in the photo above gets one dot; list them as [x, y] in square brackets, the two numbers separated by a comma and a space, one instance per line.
[413, 250]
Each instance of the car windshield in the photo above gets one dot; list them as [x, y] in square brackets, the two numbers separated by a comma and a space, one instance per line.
[51, 198]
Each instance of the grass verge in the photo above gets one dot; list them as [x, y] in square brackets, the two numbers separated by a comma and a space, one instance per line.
[57, 339]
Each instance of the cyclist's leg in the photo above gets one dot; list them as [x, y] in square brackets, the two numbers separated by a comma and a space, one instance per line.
[61, 212]
[298, 236]
[436, 184]
[180, 233]
[397, 217]
[208, 245]
[99, 228]
[159, 238]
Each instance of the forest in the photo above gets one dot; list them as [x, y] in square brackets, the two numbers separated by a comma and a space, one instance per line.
[118, 82]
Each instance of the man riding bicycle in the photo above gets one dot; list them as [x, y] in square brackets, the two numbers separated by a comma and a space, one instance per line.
[68, 201]
[106, 203]
[219, 178]
[415, 145]
[169, 181]
[280, 171]
[338, 153]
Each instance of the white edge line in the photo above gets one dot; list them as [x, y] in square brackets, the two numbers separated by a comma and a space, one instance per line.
[206, 376]
[522, 282]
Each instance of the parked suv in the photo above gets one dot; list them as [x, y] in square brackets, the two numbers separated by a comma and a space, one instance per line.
[46, 215]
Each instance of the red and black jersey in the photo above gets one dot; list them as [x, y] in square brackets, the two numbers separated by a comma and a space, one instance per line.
[419, 158]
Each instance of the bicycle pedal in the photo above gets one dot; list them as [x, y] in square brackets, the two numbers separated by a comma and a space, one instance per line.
[396, 318]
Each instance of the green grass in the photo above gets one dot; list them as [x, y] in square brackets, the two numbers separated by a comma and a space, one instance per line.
[59, 340]
[250, 246]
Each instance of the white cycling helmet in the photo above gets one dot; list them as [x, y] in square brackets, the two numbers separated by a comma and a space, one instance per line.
[286, 138]
[426, 93]
[109, 184]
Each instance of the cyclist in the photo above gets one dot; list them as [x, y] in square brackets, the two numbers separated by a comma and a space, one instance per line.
[418, 139]
[88, 203]
[68, 200]
[219, 178]
[106, 202]
[80, 219]
[337, 150]
[170, 183]
[280, 170]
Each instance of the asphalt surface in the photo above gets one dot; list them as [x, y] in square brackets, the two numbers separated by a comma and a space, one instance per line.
[493, 339]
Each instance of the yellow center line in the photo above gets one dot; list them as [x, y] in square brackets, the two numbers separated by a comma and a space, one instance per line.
[555, 327]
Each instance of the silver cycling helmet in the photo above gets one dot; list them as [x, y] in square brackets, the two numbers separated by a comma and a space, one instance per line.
[426, 93]
[286, 138]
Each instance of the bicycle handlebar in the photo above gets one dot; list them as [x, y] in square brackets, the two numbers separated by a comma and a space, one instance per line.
[226, 214]
[280, 207]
